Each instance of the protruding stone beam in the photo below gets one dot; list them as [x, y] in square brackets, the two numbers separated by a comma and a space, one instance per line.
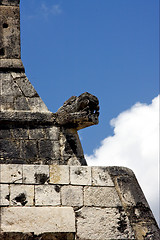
[10, 47]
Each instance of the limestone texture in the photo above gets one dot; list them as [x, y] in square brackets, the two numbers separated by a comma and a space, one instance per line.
[119, 211]
[11, 173]
[4, 195]
[101, 197]
[43, 236]
[37, 220]
[72, 196]
[21, 195]
[103, 223]
[80, 175]
[59, 174]
[101, 177]
[48, 195]
[47, 191]
[36, 174]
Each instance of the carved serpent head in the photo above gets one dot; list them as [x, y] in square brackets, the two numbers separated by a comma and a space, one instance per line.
[79, 112]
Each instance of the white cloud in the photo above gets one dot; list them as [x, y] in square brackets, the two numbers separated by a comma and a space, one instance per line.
[56, 9]
[51, 10]
[135, 145]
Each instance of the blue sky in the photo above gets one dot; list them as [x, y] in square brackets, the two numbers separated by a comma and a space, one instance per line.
[109, 48]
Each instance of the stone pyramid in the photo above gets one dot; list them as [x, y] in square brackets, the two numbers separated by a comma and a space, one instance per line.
[47, 191]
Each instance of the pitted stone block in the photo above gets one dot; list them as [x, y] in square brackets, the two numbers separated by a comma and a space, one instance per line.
[5, 132]
[72, 196]
[25, 86]
[6, 103]
[59, 174]
[103, 223]
[80, 175]
[11, 173]
[10, 2]
[43, 236]
[29, 150]
[38, 219]
[19, 132]
[36, 104]
[22, 195]
[21, 103]
[101, 177]
[10, 149]
[35, 174]
[53, 133]
[4, 195]
[49, 149]
[10, 88]
[101, 197]
[36, 133]
[48, 195]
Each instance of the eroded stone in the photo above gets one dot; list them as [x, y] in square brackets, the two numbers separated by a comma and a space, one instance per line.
[101, 177]
[72, 196]
[22, 195]
[38, 219]
[35, 174]
[59, 174]
[4, 195]
[80, 175]
[102, 223]
[11, 173]
[101, 196]
[48, 195]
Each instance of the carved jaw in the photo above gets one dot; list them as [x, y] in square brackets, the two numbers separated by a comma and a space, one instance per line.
[79, 112]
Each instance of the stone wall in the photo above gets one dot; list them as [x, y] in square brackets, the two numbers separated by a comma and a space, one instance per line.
[64, 201]
[29, 132]
[79, 202]
[10, 48]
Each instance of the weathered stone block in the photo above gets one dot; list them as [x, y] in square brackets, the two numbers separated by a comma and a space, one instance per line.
[19, 132]
[71, 149]
[72, 196]
[10, 149]
[43, 236]
[35, 174]
[49, 149]
[5, 132]
[103, 223]
[101, 197]
[101, 177]
[11, 173]
[53, 133]
[10, 88]
[74, 161]
[6, 103]
[4, 195]
[37, 105]
[25, 86]
[80, 175]
[59, 174]
[10, 38]
[36, 133]
[10, 3]
[29, 149]
[38, 219]
[16, 75]
[130, 191]
[22, 195]
[21, 103]
[48, 195]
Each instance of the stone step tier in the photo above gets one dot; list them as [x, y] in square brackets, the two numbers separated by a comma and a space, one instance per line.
[73, 202]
